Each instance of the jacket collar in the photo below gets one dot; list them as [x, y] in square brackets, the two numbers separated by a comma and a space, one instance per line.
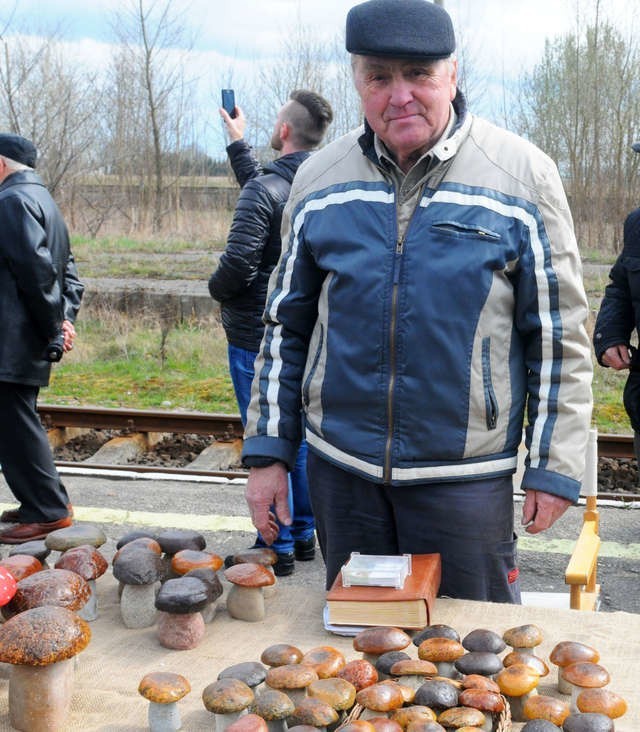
[20, 177]
[444, 149]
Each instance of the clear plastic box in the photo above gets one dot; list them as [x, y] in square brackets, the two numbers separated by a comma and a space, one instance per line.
[378, 570]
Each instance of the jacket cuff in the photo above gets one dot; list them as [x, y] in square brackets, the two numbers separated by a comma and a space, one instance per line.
[548, 481]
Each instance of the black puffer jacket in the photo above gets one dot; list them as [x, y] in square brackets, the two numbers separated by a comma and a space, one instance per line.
[253, 246]
[39, 285]
[620, 310]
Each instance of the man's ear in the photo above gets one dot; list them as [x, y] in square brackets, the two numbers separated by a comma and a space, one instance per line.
[285, 131]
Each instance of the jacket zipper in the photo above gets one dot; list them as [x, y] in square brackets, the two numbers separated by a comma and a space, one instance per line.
[386, 475]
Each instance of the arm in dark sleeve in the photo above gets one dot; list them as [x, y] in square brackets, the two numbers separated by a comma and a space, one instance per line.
[250, 229]
[243, 162]
[23, 242]
[72, 290]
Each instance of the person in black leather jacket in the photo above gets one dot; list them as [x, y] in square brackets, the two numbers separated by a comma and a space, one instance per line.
[619, 316]
[241, 279]
[40, 296]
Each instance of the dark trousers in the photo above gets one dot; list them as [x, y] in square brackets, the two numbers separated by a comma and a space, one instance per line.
[26, 458]
[470, 524]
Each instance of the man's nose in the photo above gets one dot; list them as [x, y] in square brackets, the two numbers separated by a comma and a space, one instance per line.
[401, 93]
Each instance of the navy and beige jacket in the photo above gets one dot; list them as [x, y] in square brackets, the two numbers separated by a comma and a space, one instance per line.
[418, 355]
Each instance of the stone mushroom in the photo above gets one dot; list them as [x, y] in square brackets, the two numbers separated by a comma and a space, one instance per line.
[257, 555]
[385, 662]
[337, 692]
[584, 675]
[248, 723]
[488, 702]
[443, 652]
[360, 673]
[40, 643]
[517, 683]
[8, 586]
[484, 663]
[588, 722]
[541, 706]
[529, 659]
[483, 640]
[601, 701]
[408, 692]
[477, 681]
[57, 587]
[379, 699]
[251, 672]
[187, 559]
[373, 642]
[228, 700]
[281, 654]
[76, 535]
[439, 630]
[163, 690]
[21, 565]
[419, 726]
[89, 563]
[540, 725]
[139, 570]
[413, 672]
[36, 548]
[461, 717]
[437, 694]
[313, 712]
[566, 652]
[245, 600]
[293, 679]
[523, 637]
[172, 541]
[414, 713]
[274, 707]
[180, 622]
[326, 661]
[214, 589]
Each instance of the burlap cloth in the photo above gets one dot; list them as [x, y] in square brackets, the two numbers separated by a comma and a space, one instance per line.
[110, 668]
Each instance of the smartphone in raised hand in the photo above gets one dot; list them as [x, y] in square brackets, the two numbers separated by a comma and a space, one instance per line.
[229, 102]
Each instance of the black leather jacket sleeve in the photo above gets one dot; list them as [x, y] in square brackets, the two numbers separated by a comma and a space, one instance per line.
[244, 164]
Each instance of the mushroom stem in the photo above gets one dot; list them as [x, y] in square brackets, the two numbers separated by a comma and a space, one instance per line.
[447, 669]
[89, 611]
[246, 603]
[164, 717]
[516, 705]
[137, 605]
[222, 721]
[40, 696]
[564, 687]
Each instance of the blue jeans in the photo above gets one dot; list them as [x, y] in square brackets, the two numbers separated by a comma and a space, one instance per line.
[241, 369]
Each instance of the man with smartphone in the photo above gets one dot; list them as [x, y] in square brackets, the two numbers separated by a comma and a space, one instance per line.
[241, 279]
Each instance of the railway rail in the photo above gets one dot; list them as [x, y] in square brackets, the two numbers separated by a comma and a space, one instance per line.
[222, 427]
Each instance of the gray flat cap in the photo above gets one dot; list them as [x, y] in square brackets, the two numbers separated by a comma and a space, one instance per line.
[400, 29]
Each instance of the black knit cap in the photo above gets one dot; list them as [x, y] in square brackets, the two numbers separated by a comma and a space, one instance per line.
[401, 29]
[18, 148]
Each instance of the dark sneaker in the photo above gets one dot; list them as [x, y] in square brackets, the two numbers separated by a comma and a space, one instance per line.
[305, 549]
[285, 564]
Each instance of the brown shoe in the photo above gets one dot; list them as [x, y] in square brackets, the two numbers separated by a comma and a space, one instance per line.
[22, 533]
[12, 515]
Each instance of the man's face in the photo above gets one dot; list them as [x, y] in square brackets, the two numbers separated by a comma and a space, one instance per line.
[406, 102]
[276, 141]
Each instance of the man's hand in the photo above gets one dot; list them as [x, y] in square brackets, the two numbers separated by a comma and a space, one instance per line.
[541, 510]
[235, 125]
[617, 357]
[68, 334]
[268, 487]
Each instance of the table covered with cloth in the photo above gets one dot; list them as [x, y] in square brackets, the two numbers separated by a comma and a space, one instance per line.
[110, 668]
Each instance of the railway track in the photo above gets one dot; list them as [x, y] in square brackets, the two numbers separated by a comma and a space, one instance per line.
[137, 426]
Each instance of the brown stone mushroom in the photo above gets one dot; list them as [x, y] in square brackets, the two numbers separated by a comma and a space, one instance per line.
[541, 706]
[488, 702]
[420, 726]
[187, 559]
[529, 659]
[314, 712]
[584, 675]
[57, 587]
[414, 713]
[163, 690]
[384, 724]
[292, 679]
[248, 723]
[40, 643]
[89, 563]
[228, 700]
[477, 681]
[245, 600]
[385, 662]
[373, 642]
[21, 565]
[459, 717]
[36, 548]
[281, 654]
[274, 707]
[180, 622]
[326, 661]
[523, 637]
[517, 683]
[443, 652]
[566, 652]
[379, 699]
[338, 693]
[359, 672]
[408, 692]
[258, 555]
[601, 701]
[413, 672]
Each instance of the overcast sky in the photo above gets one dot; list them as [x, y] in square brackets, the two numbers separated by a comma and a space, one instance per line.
[503, 37]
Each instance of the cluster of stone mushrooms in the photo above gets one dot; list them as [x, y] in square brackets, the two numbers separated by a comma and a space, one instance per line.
[482, 681]
[170, 580]
[46, 624]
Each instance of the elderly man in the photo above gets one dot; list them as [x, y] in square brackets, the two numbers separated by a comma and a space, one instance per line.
[40, 296]
[429, 296]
